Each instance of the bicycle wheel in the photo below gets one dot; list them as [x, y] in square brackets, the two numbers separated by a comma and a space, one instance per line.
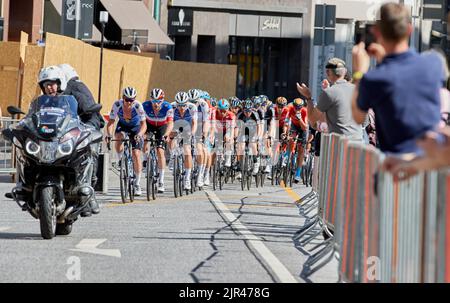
[214, 175]
[152, 165]
[220, 175]
[249, 169]
[182, 174]
[131, 178]
[176, 176]
[243, 172]
[123, 175]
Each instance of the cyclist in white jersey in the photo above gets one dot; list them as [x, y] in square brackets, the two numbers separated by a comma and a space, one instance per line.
[202, 131]
[185, 123]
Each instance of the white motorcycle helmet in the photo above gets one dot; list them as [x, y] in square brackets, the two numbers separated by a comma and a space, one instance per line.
[69, 71]
[52, 73]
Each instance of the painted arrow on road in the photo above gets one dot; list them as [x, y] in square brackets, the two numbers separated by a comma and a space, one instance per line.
[90, 246]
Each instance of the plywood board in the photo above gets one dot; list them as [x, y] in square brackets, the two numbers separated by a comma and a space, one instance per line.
[34, 58]
[121, 70]
[8, 89]
[61, 49]
[10, 54]
[173, 76]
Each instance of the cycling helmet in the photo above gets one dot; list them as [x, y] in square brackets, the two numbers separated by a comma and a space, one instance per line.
[282, 101]
[181, 98]
[205, 95]
[298, 103]
[52, 73]
[248, 105]
[257, 102]
[129, 92]
[223, 104]
[157, 94]
[194, 95]
[213, 102]
[236, 103]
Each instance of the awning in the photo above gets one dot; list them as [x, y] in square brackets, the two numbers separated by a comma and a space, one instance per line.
[96, 34]
[134, 18]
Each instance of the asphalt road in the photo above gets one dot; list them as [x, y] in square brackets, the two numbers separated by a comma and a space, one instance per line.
[210, 236]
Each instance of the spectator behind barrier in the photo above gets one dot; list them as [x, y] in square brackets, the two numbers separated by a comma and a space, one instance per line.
[403, 90]
[334, 102]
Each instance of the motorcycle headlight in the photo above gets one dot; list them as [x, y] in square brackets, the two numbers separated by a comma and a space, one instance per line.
[32, 148]
[65, 148]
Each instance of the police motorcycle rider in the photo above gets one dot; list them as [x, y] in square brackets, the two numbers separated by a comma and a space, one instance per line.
[76, 88]
[52, 83]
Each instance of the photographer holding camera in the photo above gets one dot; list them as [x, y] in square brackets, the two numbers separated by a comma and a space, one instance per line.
[403, 90]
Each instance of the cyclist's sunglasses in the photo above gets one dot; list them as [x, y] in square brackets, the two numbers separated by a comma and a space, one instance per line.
[128, 100]
[248, 110]
[182, 105]
[156, 101]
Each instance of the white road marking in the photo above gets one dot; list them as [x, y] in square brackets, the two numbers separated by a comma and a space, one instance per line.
[281, 272]
[90, 246]
[4, 228]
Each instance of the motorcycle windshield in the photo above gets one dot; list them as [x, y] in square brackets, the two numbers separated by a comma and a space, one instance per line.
[53, 111]
[63, 105]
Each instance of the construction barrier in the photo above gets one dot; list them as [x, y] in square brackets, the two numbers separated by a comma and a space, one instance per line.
[381, 230]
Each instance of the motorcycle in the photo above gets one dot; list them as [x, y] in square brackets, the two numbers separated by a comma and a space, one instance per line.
[54, 162]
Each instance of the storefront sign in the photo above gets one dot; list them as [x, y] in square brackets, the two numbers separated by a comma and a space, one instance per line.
[271, 23]
[77, 22]
[180, 21]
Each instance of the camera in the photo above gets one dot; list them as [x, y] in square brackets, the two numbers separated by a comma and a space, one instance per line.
[364, 33]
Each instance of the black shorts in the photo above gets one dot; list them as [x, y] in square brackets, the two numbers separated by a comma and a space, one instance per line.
[302, 135]
[159, 132]
[132, 132]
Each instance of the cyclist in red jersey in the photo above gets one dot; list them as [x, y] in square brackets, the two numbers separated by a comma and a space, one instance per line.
[296, 120]
[225, 122]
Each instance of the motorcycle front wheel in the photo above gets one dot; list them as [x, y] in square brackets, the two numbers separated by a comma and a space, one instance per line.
[47, 212]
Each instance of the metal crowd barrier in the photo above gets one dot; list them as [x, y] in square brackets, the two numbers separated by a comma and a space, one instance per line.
[381, 230]
[7, 163]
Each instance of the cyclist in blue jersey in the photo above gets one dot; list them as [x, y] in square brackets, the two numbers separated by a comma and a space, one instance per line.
[159, 114]
[131, 120]
[185, 122]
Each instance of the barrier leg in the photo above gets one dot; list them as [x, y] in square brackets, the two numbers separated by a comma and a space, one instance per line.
[307, 228]
[308, 271]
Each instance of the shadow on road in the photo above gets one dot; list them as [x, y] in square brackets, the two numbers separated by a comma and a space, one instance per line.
[18, 236]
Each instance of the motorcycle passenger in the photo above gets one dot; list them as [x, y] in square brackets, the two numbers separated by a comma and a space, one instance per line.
[83, 95]
[131, 120]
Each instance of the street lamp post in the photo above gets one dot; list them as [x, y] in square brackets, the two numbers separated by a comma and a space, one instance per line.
[103, 20]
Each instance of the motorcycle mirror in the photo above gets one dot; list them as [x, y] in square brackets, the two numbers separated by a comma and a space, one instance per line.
[13, 110]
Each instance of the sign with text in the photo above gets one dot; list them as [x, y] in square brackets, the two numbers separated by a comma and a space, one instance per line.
[77, 18]
[181, 21]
